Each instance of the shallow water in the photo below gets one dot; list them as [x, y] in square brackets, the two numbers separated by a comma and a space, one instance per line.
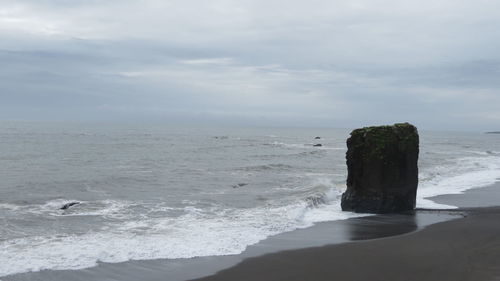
[153, 191]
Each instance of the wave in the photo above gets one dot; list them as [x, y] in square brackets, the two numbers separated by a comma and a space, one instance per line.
[198, 232]
[266, 167]
[208, 231]
[10, 207]
[484, 153]
[308, 153]
[103, 208]
[304, 146]
[455, 178]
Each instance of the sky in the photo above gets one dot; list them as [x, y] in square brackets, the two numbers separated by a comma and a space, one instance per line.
[319, 63]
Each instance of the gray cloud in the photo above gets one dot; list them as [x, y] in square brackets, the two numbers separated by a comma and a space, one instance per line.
[314, 63]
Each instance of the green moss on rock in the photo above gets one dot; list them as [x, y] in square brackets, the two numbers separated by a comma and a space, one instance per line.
[382, 164]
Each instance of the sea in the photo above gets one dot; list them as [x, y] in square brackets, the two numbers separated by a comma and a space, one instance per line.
[156, 191]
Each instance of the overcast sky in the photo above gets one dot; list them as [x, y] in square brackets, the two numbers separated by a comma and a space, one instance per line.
[435, 63]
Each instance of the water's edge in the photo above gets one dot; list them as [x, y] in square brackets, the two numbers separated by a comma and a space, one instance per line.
[320, 234]
[155, 199]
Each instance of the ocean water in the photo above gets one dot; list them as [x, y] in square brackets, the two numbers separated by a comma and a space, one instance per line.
[157, 191]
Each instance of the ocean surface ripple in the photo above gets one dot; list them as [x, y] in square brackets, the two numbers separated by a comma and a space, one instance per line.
[154, 192]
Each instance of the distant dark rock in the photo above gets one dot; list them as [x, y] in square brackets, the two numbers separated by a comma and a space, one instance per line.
[317, 138]
[318, 144]
[382, 169]
[495, 132]
[67, 205]
[240, 185]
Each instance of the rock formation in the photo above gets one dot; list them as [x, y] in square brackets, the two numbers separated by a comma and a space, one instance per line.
[241, 184]
[382, 169]
[67, 205]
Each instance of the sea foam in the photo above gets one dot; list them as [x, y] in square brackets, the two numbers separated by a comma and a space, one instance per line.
[464, 174]
[194, 234]
[209, 232]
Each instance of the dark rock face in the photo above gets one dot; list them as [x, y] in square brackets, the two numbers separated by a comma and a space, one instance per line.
[67, 205]
[318, 145]
[382, 169]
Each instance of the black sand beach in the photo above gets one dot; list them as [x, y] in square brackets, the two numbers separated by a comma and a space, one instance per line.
[467, 248]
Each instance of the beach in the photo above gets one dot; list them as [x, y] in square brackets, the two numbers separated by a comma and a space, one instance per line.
[249, 140]
[169, 203]
[455, 244]
[462, 249]
[465, 248]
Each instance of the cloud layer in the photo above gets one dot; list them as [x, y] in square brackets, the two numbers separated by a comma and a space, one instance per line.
[309, 63]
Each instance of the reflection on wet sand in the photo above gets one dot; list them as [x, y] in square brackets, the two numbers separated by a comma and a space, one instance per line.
[380, 226]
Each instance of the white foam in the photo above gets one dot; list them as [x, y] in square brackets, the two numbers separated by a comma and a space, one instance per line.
[201, 233]
[467, 173]
[105, 208]
[306, 146]
[7, 206]
[197, 233]
[330, 211]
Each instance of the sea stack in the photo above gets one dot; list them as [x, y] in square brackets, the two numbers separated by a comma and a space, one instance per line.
[382, 169]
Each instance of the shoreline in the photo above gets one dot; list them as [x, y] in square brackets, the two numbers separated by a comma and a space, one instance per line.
[322, 235]
[466, 248]
[463, 249]
[486, 196]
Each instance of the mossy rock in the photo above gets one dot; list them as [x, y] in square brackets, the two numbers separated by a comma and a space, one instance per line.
[382, 169]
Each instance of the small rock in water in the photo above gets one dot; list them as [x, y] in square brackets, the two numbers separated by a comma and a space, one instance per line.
[239, 185]
[67, 205]
[317, 138]
[318, 144]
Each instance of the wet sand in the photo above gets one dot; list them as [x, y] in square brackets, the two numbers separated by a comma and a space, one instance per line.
[467, 248]
[488, 196]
